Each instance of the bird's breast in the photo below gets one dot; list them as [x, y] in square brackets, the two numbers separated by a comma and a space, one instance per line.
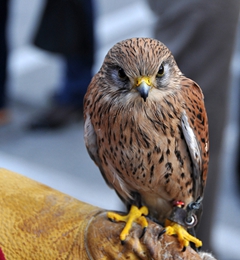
[147, 151]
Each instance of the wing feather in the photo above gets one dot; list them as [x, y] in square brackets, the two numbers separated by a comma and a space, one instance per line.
[90, 139]
[195, 130]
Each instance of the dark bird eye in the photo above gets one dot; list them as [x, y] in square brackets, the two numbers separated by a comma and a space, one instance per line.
[160, 71]
[121, 74]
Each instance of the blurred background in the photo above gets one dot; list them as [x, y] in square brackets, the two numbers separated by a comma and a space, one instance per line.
[58, 157]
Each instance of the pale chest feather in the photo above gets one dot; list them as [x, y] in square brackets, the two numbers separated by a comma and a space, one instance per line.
[147, 150]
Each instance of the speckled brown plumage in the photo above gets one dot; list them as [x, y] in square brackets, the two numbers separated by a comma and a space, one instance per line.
[151, 147]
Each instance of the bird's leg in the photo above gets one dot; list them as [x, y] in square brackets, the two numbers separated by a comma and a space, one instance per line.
[178, 223]
[135, 215]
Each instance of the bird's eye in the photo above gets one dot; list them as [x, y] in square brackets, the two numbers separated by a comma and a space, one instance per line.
[160, 71]
[121, 74]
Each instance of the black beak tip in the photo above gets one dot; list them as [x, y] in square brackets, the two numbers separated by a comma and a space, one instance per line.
[145, 99]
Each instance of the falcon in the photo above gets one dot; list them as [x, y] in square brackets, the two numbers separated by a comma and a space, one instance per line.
[146, 129]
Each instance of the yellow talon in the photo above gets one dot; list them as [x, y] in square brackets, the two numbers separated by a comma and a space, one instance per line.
[135, 215]
[172, 228]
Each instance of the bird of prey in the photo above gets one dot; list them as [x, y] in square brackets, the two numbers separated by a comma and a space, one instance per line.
[146, 129]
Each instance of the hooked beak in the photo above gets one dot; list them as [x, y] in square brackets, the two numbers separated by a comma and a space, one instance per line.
[143, 86]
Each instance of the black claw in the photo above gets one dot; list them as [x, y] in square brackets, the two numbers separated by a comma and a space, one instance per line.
[143, 233]
[122, 242]
[193, 246]
[161, 233]
[111, 220]
[184, 249]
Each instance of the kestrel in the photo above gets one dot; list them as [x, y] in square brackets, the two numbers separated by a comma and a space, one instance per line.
[146, 128]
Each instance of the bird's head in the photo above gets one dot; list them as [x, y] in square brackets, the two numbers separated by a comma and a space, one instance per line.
[140, 67]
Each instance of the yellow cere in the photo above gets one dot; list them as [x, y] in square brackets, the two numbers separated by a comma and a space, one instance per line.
[143, 79]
